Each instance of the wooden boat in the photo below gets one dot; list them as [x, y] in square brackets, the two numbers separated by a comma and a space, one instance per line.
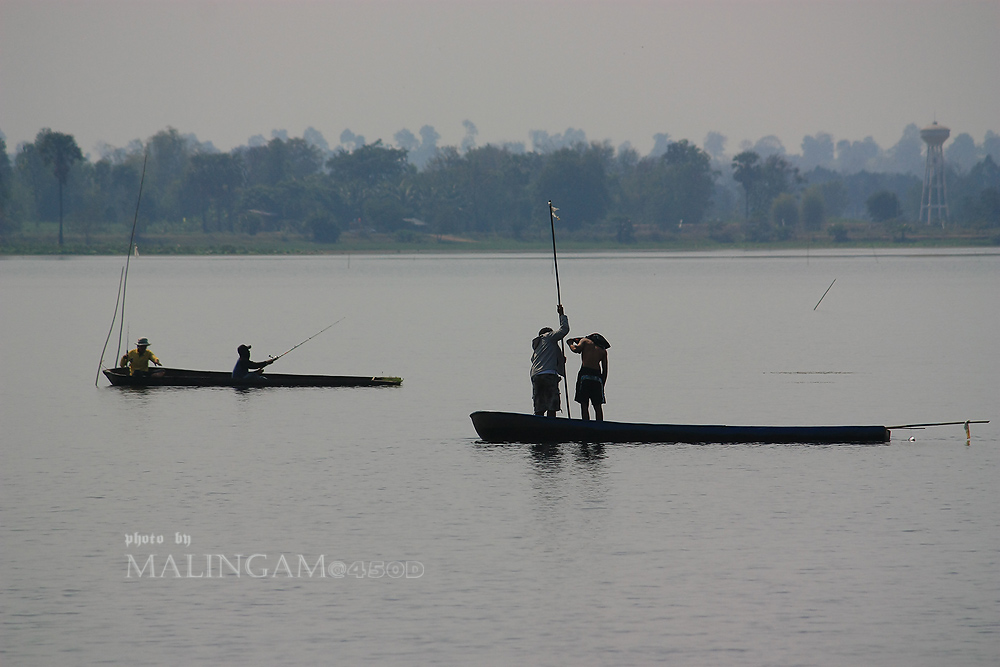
[179, 377]
[522, 428]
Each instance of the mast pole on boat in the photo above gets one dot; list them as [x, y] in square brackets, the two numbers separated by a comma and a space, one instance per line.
[128, 256]
[123, 280]
[555, 262]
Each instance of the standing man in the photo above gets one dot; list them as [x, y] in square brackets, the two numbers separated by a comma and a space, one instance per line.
[593, 375]
[138, 359]
[548, 365]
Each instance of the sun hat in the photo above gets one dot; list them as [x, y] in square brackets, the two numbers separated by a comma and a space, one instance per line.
[599, 340]
[143, 341]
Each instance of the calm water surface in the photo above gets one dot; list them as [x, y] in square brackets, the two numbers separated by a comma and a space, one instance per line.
[438, 549]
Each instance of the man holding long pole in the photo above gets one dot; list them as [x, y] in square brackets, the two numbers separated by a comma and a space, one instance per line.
[548, 367]
[548, 359]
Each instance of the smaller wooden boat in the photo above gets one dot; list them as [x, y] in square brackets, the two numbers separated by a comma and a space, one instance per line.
[179, 377]
[513, 427]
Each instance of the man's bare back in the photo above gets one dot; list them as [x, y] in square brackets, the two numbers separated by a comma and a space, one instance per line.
[593, 373]
[591, 355]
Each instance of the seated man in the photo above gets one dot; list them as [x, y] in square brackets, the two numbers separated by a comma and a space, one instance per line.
[242, 369]
[138, 359]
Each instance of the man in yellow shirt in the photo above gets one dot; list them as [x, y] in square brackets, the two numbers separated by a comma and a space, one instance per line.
[138, 359]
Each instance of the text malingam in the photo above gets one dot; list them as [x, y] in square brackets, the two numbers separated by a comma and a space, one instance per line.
[259, 566]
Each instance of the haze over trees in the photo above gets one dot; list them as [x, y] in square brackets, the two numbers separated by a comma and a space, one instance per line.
[302, 187]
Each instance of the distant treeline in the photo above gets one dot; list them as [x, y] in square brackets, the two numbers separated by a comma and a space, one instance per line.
[298, 186]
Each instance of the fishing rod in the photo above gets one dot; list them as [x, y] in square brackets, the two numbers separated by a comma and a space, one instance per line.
[123, 279]
[555, 261]
[965, 423]
[273, 359]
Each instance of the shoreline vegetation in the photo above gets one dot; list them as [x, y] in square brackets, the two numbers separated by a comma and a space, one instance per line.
[293, 196]
[290, 196]
[705, 237]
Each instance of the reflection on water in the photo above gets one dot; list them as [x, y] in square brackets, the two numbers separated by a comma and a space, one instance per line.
[546, 458]
[590, 453]
[559, 554]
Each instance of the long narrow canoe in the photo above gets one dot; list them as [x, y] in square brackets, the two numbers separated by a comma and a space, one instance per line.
[179, 377]
[513, 427]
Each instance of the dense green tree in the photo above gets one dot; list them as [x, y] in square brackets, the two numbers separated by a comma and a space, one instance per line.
[972, 194]
[6, 185]
[988, 209]
[883, 206]
[59, 151]
[986, 174]
[323, 227]
[906, 157]
[487, 190]
[762, 182]
[168, 155]
[777, 177]
[785, 211]
[674, 188]
[117, 186]
[284, 185]
[368, 172]
[813, 208]
[443, 199]
[747, 172]
[39, 194]
[856, 156]
[280, 160]
[211, 182]
[692, 180]
[961, 153]
[817, 151]
[288, 205]
[576, 181]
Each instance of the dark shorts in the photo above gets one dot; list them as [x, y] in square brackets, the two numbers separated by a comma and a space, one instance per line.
[545, 393]
[589, 387]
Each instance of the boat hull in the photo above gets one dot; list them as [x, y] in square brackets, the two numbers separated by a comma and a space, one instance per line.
[512, 427]
[179, 377]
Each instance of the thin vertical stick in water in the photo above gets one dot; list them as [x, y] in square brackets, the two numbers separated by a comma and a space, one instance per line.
[100, 364]
[824, 295]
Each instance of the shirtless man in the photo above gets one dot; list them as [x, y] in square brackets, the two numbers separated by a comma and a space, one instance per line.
[593, 351]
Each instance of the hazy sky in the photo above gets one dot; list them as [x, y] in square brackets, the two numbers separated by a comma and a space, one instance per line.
[117, 70]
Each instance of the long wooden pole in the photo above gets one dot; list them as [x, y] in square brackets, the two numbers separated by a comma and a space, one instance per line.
[131, 242]
[555, 262]
[555, 257]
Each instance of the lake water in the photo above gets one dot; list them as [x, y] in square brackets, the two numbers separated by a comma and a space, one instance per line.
[424, 546]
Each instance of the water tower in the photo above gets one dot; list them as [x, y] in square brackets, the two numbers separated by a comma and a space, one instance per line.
[934, 198]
